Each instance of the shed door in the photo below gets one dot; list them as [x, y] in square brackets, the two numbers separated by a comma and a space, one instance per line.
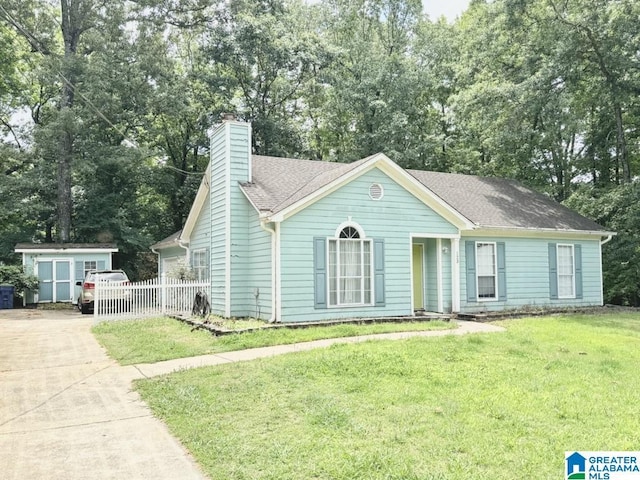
[55, 281]
[62, 280]
[45, 275]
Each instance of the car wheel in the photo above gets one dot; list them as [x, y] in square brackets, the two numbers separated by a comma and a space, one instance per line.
[84, 308]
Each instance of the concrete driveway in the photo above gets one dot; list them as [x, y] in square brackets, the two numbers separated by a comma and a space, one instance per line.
[68, 412]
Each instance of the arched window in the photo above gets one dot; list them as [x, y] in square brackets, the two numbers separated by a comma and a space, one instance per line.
[350, 266]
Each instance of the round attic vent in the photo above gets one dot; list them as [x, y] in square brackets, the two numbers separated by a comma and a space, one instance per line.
[375, 191]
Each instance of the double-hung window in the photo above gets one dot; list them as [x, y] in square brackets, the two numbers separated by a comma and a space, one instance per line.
[199, 264]
[350, 269]
[486, 271]
[89, 265]
[566, 271]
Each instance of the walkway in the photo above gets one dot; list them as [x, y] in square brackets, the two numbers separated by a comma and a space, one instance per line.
[160, 368]
[68, 412]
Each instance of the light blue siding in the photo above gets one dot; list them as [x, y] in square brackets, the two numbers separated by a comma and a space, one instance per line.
[242, 298]
[392, 219]
[259, 269]
[527, 269]
[229, 221]
[218, 208]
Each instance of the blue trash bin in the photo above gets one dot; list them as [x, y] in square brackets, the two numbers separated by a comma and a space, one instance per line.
[6, 296]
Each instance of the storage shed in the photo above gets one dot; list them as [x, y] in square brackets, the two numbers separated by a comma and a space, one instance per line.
[59, 266]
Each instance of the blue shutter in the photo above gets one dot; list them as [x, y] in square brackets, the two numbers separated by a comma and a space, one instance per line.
[553, 271]
[101, 265]
[470, 256]
[502, 272]
[378, 270]
[577, 251]
[320, 272]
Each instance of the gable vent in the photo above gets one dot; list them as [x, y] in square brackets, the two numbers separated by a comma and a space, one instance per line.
[375, 191]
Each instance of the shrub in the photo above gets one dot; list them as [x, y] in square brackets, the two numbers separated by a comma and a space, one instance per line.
[14, 275]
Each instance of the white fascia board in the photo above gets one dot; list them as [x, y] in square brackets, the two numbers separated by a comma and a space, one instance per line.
[514, 232]
[397, 174]
[196, 207]
[65, 250]
[449, 236]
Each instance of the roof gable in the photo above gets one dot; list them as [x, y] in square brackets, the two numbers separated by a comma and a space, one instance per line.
[299, 183]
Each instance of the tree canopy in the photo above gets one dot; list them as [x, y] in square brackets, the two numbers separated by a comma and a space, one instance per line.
[104, 106]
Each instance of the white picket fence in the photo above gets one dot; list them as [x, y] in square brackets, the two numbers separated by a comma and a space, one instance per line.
[148, 298]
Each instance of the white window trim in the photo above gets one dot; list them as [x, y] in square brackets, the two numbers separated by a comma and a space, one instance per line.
[85, 269]
[198, 252]
[495, 274]
[362, 240]
[573, 270]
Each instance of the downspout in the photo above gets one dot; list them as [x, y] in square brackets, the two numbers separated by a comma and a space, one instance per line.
[274, 266]
[181, 245]
[186, 249]
[602, 242]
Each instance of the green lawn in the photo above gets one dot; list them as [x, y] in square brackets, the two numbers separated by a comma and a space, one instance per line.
[484, 406]
[153, 340]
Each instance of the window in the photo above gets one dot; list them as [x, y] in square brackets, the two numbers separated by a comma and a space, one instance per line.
[566, 272]
[486, 271]
[89, 265]
[199, 263]
[350, 269]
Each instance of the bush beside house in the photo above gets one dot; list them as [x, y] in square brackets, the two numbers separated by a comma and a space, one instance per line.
[14, 276]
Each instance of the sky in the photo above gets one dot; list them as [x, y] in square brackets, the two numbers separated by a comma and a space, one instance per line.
[449, 8]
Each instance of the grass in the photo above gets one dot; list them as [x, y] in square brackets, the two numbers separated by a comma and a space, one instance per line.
[154, 340]
[494, 406]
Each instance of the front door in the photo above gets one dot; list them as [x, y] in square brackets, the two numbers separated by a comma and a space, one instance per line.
[418, 276]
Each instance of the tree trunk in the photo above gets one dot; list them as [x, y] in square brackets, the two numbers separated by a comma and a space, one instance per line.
[71, 34]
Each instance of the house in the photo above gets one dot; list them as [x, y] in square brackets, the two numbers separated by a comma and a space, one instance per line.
[296, 240]
[60, 266]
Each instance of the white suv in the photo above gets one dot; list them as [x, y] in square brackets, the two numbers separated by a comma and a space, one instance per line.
[116, 298]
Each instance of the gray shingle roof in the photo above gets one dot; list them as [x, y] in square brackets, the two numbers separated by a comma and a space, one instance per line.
[279, 182]
[486, 202]
[497, 202]
[170, 241]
